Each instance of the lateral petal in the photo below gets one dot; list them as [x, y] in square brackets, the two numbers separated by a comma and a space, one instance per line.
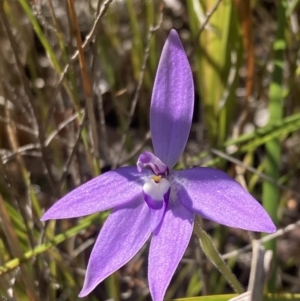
[168, 246]
[101, 193]
[122, 236]
[214, 195]
[172, 102]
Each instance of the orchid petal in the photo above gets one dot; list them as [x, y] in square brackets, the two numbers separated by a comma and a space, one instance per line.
[157, 196]
[147, 159]
[101, 193]
[172, 102]
[167, 247]
[213, 195]
[122, 236]
[156, 192]
[157, 216]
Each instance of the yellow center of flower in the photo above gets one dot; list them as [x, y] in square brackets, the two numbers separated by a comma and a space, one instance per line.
[156, 179]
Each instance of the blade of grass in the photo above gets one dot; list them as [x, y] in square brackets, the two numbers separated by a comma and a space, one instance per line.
[215, 47]
[43, 39]
[275, 126]
[271, 195]
[213, 255]
[14, 244]
[153, 57]
[137, 49]
[178, 280]
[269, 297]
[254, 140]
[44, 247]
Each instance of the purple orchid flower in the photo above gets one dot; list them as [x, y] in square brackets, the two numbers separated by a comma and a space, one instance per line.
[154, 199]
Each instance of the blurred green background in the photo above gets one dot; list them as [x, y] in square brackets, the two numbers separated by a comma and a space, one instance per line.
[75, 88]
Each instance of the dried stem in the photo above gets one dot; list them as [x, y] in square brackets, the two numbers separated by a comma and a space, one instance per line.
[208, 16]
[69, 160]
[87, 86]
[87, 41]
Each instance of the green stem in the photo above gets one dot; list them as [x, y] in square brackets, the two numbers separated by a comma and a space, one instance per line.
[271, 194]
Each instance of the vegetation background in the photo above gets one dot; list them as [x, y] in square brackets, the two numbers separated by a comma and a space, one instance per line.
[75, 87]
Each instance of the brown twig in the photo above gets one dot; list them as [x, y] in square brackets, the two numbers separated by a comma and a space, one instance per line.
[208, 16]
[20, 126]
[99, 103]
[48, 140]
[20, 150]
[87, 86]
[69, 160]
[60, 127]
[202, 28]
[137, 149]
[87, 41]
